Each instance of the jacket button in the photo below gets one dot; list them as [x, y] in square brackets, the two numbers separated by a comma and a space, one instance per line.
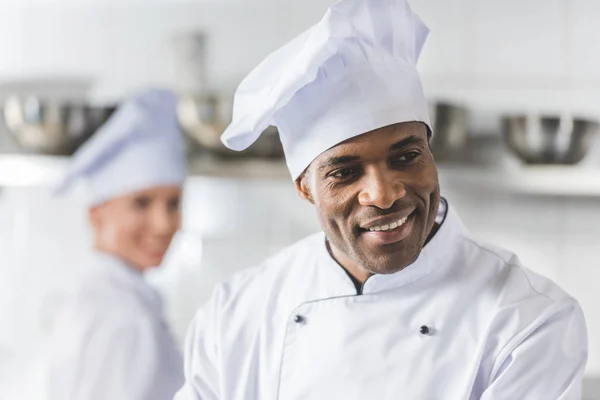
[298, 319]
[424, 330]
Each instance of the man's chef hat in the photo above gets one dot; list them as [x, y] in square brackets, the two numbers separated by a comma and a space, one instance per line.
[353, 72]
[138, 148]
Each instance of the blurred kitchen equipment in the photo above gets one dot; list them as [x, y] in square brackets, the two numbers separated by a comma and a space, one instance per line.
[548, 139]
[450, 124]
[189, 58]
[56, 127]
[204, 118]
[203, 115]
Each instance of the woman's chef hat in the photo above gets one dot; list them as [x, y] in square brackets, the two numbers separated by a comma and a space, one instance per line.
[138, 148]
[353, 72]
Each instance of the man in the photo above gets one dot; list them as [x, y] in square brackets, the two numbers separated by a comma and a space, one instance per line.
[112, 341]
[395, 300]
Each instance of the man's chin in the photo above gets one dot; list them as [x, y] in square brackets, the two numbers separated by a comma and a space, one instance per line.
[387, 265]
[387, 270]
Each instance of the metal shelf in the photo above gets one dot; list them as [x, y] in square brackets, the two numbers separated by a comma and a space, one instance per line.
[238, 169]
[531, 180]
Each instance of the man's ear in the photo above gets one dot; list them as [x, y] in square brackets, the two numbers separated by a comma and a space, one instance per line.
[303, 188]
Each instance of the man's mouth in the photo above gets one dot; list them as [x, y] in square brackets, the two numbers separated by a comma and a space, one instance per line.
[388, 230]
[388, 227]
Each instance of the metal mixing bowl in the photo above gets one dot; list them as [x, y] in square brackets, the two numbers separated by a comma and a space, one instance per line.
[204, 118]
[450, 126]
[548, 139]
[52, 126]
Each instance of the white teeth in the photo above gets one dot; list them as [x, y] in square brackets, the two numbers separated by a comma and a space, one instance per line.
[389, 227]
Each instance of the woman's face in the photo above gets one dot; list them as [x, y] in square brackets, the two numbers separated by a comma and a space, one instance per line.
[139, 227]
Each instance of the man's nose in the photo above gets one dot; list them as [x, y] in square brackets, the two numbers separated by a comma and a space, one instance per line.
[381, 189]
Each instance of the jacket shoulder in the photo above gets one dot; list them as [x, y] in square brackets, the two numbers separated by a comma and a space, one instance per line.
[517, 279]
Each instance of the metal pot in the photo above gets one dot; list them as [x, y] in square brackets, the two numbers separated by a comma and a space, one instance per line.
[549, 139]
[205, 118]
[52, 126]
[450, 124]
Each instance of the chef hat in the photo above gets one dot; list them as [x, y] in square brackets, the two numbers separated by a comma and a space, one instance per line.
[353, 72]
[138, 148]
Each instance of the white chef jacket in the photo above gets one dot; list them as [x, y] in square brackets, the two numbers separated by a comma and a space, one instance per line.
[111, 342]
[465, 321]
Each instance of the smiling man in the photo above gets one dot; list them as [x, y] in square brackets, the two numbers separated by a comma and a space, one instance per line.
[377, 196]
[394, 299]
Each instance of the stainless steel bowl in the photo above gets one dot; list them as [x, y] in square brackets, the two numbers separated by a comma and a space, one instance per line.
[51, 126]
[548, 139]
[204, 118]
[450, 125]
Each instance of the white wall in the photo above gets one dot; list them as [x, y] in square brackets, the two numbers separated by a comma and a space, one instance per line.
[125, 47]
[502, 53]
[514, 54]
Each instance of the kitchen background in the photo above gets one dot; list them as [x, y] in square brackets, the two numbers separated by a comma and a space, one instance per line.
[485, 64]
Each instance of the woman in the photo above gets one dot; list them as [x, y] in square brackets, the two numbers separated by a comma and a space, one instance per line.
[111, 341]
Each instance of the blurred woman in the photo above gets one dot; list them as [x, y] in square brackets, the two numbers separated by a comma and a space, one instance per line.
[112, 341]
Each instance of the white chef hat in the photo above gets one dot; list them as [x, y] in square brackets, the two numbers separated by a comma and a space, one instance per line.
[353, 72]
[139, 147]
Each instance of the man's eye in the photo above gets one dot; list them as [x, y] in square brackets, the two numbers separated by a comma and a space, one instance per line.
[407, 157]
[343, 173]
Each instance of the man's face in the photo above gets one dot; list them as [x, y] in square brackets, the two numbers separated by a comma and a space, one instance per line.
[139, 227]
[377, 196]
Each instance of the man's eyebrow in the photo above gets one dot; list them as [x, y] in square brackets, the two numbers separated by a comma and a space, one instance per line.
[337, 161]
[407, 141]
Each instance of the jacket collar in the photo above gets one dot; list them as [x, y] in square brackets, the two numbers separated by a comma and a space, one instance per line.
[436, 254]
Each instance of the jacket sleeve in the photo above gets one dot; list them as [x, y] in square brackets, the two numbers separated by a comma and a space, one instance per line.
[201, 370]
[545, 361]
